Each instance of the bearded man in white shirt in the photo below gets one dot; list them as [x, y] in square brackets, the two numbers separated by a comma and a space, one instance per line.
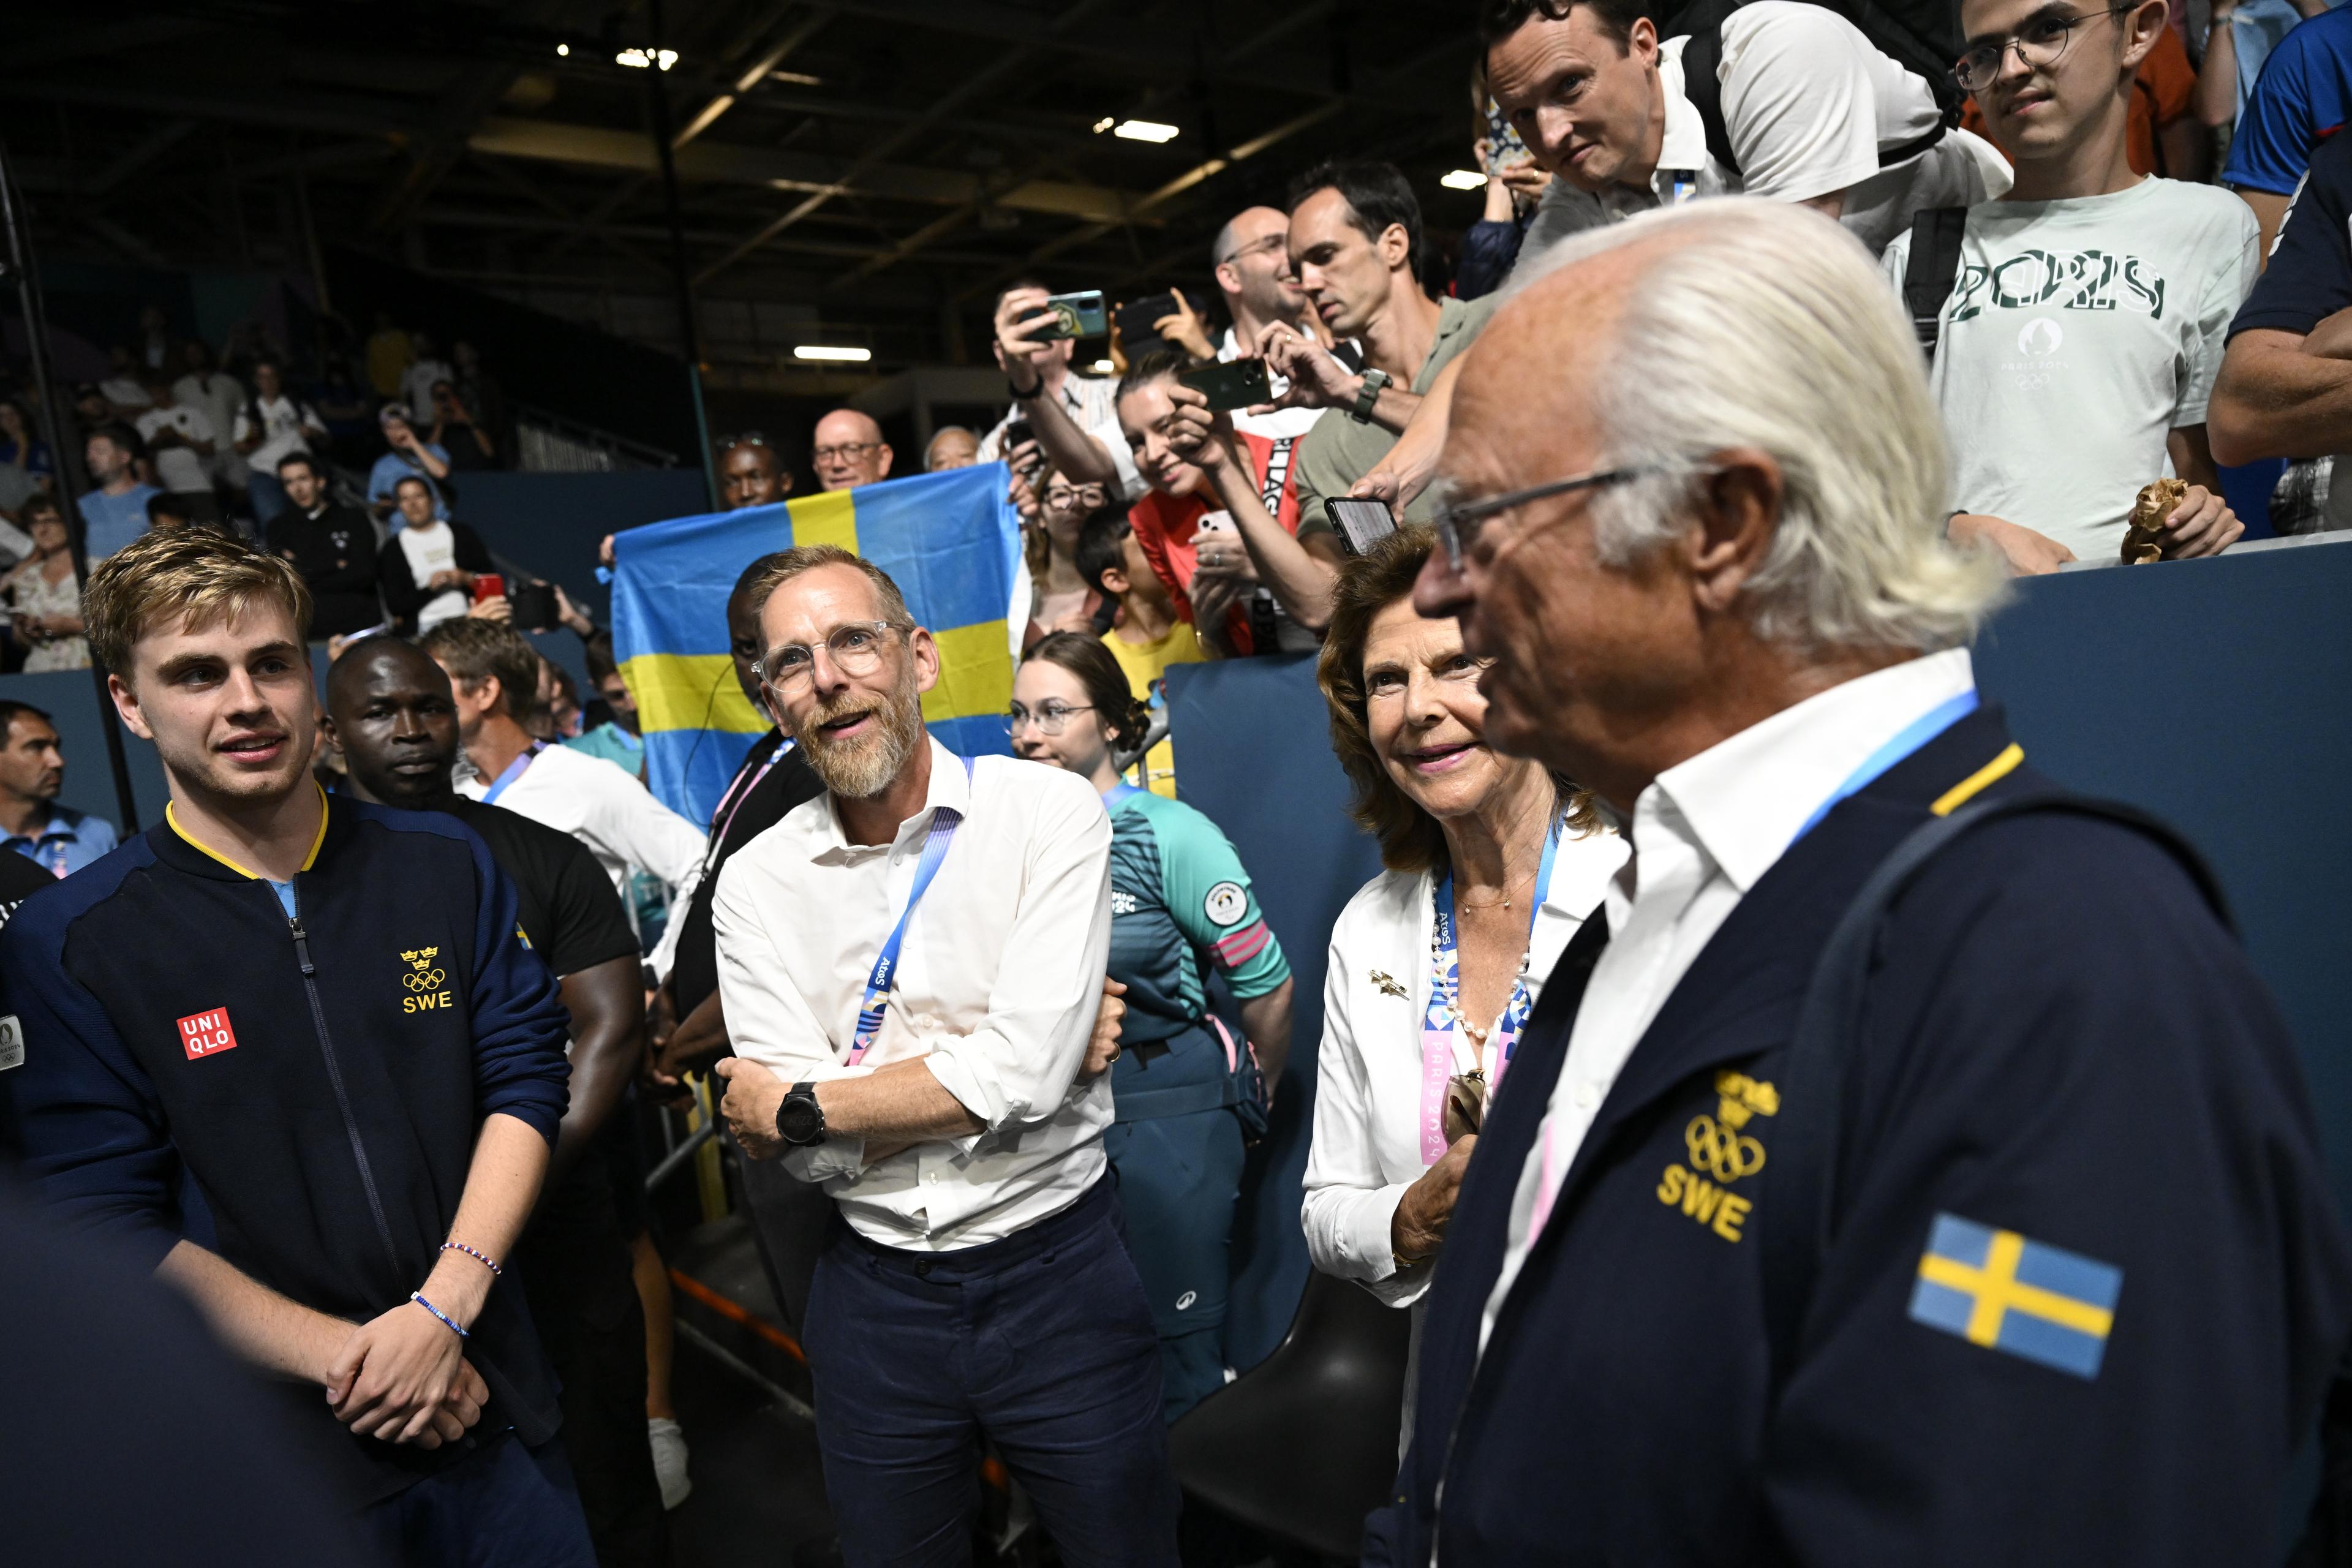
[1959, 1277]
[910, 966]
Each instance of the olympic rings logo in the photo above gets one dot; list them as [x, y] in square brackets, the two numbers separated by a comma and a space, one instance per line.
[430, 980]
[1720, 1153]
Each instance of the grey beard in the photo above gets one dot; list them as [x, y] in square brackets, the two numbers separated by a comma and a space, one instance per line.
[862, 769]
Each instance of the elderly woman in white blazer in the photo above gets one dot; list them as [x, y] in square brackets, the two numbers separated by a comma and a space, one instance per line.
[1491, 851]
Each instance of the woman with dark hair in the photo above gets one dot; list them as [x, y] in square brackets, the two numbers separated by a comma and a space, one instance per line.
[1492, 862]
[1187, 1099]
[1062, 600]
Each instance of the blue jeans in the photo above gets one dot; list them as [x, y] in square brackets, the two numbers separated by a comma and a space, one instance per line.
[1041, 1343]
[267, 496]
[507, 1506]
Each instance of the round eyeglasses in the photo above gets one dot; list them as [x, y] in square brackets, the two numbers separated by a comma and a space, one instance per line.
[1049, 717]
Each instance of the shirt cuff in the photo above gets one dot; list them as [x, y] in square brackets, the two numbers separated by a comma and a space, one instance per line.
[959, 1079]
[1369, 1239]
[822, 1162]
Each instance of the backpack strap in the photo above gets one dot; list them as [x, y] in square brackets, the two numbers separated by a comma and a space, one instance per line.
[1800, 1218]
[1932, 270]
[1702, 22]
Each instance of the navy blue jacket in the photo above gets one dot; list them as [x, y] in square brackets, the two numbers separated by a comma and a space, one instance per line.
[2062, 1041]
[183, 1078]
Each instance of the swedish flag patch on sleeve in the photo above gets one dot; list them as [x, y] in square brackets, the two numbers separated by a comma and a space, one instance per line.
[522, 936]
[1998, 1290]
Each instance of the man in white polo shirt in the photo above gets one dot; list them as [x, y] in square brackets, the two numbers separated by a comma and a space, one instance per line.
[494, 672]
[910, 966]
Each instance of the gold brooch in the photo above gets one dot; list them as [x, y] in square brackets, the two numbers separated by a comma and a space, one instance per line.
[1389, 986]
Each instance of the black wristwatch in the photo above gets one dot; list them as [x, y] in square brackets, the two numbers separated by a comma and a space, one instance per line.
[1036, 390]
[1367, 396]
[799, 1120]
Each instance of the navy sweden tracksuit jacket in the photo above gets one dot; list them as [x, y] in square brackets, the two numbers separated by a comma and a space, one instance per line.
[299, 1095]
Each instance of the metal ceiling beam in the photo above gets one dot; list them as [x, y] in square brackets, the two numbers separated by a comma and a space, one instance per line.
[1191, 177]
[1011, 24]
[536, 194]
[287, 110]
[972, 87]
[140, 153]
[112, 36]
[1263, 39]
[508, 220]
[807, 28]
[719, 164]
[454, 115]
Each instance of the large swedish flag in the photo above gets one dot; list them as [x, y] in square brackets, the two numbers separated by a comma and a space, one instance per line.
[953, 543]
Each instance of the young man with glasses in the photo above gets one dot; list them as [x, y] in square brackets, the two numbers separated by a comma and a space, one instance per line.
[2082, 321]
[910, 969]
[847, 450]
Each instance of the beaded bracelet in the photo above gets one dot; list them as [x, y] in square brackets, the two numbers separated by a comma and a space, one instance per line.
[481, 1258]
[437, 1313]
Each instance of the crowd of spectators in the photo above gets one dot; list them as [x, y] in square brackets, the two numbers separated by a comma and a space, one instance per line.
[180, 432]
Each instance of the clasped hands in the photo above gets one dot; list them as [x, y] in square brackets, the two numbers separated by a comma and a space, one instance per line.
[402, 1376]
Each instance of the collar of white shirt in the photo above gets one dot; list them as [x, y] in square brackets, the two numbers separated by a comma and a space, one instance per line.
[829, 843]
[1746, 799]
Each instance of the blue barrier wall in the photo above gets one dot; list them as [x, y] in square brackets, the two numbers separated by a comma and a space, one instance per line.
[2212, 693]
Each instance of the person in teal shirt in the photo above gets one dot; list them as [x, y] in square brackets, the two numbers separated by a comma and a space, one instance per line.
[1186, 1096]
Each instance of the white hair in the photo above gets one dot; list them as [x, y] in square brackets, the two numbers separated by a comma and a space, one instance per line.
[1762, 324]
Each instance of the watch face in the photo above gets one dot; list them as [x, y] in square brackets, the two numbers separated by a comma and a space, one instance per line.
[800, 1121]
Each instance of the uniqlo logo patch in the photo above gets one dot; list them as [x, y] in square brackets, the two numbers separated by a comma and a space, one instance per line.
[207, 1034]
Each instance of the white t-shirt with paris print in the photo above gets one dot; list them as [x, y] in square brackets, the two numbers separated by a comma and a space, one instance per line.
[2079, 335]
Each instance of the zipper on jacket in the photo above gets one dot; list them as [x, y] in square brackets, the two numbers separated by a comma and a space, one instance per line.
[335, 1077]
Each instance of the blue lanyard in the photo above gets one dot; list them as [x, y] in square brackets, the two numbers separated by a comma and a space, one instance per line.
[886, 964]
[1913, 736]
[514, 772]
[1445, 982]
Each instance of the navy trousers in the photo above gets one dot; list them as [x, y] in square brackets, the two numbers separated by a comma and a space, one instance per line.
[506, 1506]
[1041, 1343]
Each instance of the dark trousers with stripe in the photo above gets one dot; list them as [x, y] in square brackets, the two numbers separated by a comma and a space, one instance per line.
[1041, 1343]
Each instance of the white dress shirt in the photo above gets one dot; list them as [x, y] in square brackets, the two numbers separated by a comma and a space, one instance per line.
[1367, 1145]
[1705, 832]
[605, 807]
[996, 990]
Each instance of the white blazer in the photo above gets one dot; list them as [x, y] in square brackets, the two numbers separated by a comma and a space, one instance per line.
[1366, 1147]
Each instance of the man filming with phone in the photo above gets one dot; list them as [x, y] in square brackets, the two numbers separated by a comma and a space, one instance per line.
[1074, 419]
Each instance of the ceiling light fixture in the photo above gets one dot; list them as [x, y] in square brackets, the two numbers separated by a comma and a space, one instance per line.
[1105, 123]
[1105, 368]
[833, 354]
[797, 79]
[1462, 180]
[1144, 130]
[562, 50]
[638, 59]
